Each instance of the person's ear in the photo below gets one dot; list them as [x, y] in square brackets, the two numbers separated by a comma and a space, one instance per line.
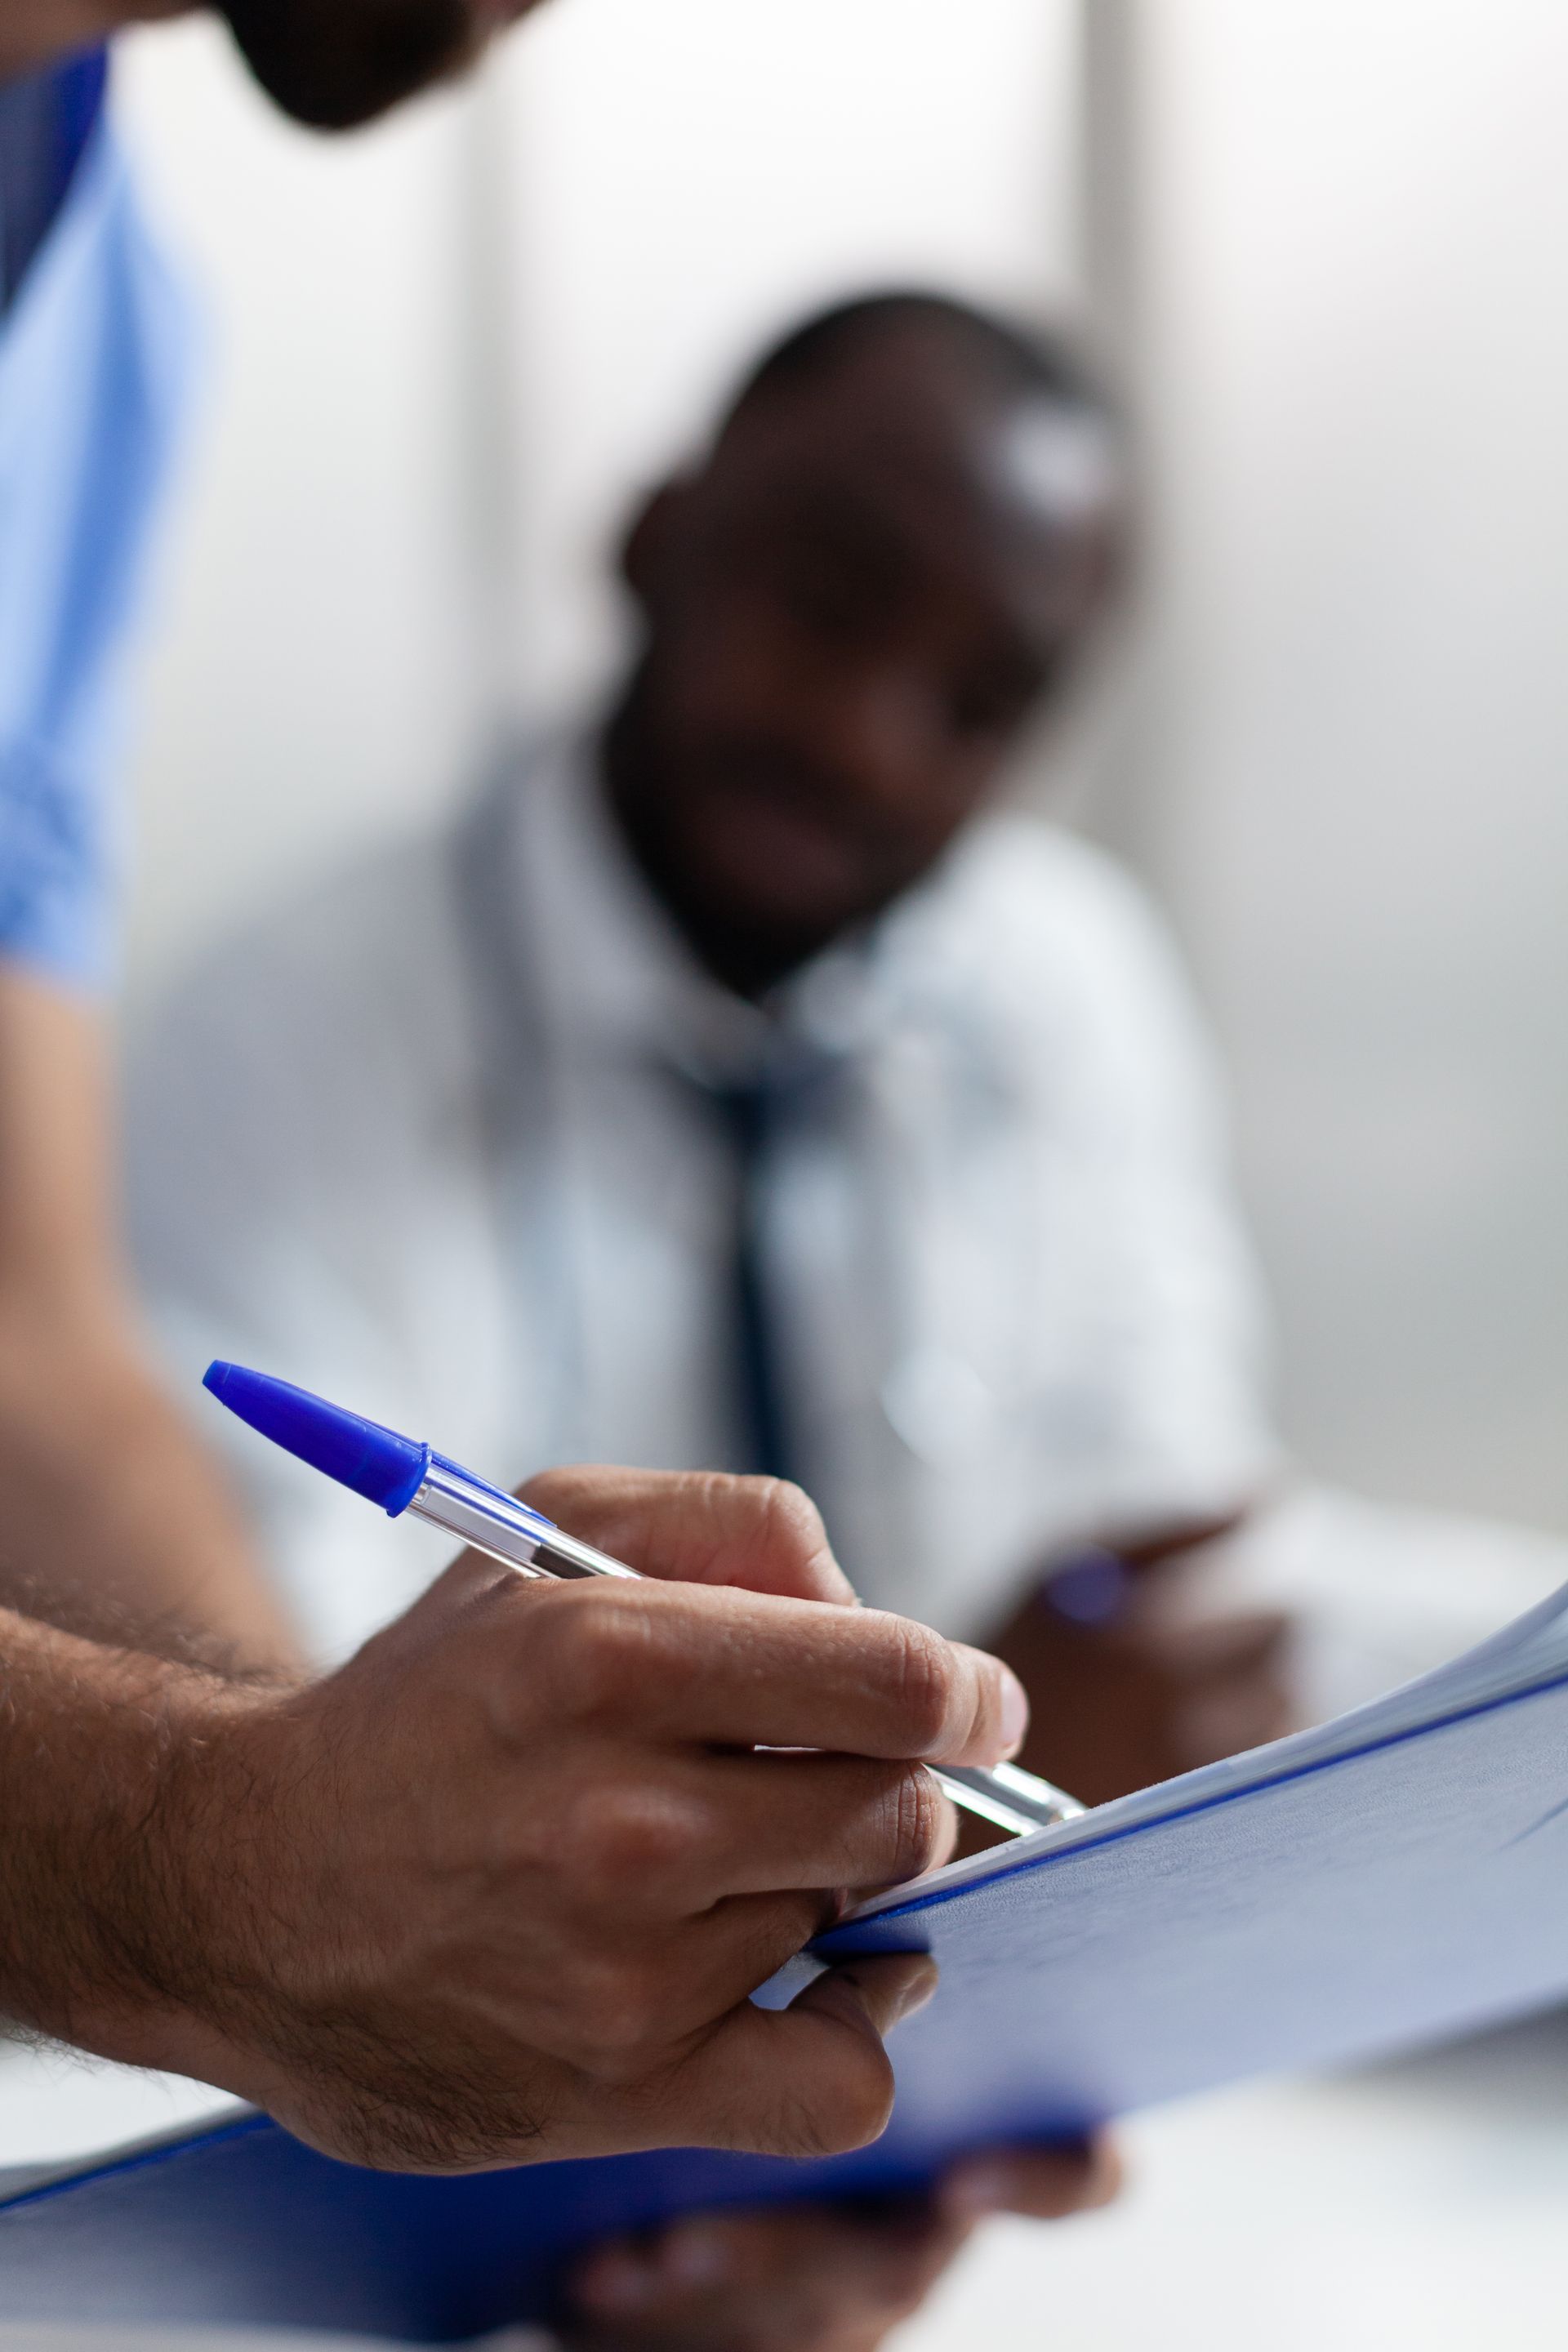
[652, 544]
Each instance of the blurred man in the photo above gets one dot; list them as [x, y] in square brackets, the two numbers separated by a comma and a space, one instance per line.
[737, 1084]
[348, 1900]
[741, 1082]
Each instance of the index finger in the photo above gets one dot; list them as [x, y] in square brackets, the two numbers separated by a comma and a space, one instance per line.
[683, 1664]
[697, 1527]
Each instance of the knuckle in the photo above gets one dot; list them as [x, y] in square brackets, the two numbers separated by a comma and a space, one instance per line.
[772, 1933]
[924, 1670]
[781, 1527]
[919, 1821]
[601, 1654]
[622, 1836]
[894, 1827]
[792, 1518]
[617, 2014]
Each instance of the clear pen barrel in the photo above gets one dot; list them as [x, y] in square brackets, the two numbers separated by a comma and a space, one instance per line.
[506, 1529]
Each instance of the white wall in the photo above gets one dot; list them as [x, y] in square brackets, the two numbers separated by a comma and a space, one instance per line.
[447, 352]
[1356, 770]
[686, 175]
[310, 670]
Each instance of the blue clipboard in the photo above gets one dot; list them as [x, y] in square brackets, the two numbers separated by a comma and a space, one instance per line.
[1397, 1877]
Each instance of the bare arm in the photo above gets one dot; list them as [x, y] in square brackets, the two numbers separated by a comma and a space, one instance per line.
[112, 1518]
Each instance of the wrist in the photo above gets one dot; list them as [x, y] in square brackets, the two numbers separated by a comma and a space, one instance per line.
[210, 1887]
[137, 1875]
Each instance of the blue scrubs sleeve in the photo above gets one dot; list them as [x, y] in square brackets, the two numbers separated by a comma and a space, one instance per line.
[94, 352]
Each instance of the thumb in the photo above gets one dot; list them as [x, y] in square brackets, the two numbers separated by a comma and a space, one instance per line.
[812, 2079]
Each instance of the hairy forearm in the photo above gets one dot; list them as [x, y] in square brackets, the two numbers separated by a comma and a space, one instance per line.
[116, 1523]
[120, 1808]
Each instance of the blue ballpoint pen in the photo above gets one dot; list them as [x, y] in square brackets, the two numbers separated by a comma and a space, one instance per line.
[402, 1475]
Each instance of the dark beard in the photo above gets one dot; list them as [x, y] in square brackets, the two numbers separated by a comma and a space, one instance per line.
[335, 63]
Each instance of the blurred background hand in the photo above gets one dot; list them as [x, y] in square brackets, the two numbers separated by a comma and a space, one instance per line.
[811, 2277]
[1136, 1670]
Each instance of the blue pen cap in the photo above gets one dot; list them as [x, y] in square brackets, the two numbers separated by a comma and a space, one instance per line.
[374, 1461]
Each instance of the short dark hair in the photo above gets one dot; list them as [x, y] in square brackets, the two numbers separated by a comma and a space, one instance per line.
[1021, 359]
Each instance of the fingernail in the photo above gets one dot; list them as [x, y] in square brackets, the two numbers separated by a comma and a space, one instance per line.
[696, 2255]
[616, 2282]
[1015, 1711]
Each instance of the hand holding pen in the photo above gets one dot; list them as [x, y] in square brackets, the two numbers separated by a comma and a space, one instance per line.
[501, 1886]
[403, 1475]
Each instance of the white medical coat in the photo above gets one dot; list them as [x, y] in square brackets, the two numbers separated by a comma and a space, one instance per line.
[442, 1165]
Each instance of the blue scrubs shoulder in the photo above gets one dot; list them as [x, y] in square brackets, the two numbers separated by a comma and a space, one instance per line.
[94, 351]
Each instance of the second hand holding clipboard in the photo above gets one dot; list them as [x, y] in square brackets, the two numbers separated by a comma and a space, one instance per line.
[1347, 1893]
[402, 1475]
